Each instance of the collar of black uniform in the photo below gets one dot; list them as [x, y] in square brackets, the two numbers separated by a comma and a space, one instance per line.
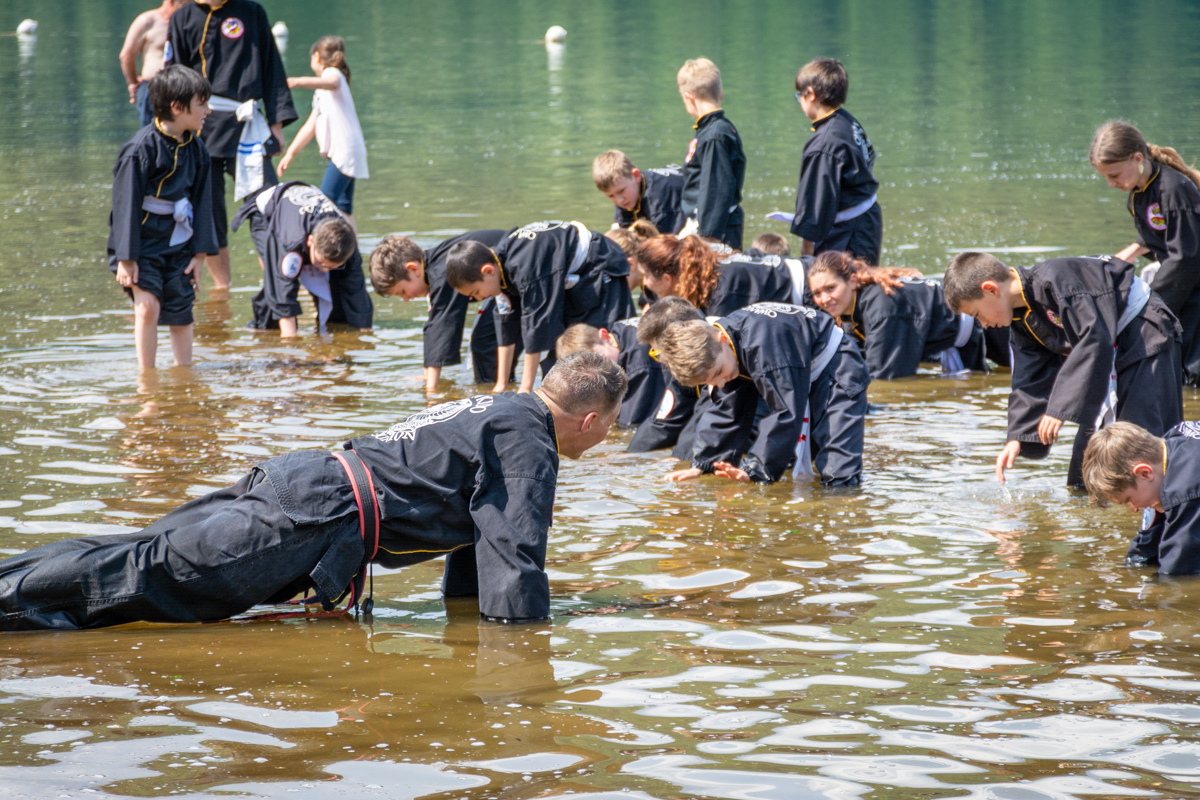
[819, 122]
[709, 117]
[641, 196]
[158, 126]
[849, 316]
[1153, 177]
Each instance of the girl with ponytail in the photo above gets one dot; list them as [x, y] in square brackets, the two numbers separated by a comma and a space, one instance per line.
[1164, 199]
[898, 317]
[688, 268]
[334, 122]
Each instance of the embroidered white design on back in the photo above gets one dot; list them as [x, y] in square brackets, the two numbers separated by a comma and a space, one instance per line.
[775, 309]
[409, 427]
[309, 200]
[860, 139]
[531, 230]
[667, 171]
[1190, 429]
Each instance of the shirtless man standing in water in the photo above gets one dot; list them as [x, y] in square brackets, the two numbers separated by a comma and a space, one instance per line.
[146, 38]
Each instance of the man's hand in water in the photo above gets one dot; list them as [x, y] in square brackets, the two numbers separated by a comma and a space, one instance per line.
[727, 470]
[683, 474]
[1006, 458]
[1048, 428]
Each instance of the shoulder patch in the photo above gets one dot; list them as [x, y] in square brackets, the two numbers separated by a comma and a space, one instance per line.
[503, 304]
[233, 28]
[691, 152]
[1156, 218]
[775, 309]
[446, 411]
[667, 405]
[290, 265]
[1054, 318]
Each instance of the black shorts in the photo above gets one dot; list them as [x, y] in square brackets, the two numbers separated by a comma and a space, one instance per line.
[163, 276]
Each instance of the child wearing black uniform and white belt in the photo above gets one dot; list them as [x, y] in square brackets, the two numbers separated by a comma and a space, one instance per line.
[472, 480]
[798, 362]
[402, 268]
[230, 43]
[836, 205]
[1091, 342]
[652, 195]
[898, 317]
[161, 221]
[1165, 203]
[545, 277]
[303, 238]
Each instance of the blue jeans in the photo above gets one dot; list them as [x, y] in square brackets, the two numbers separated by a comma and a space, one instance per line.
[339, 188]
[145, 112]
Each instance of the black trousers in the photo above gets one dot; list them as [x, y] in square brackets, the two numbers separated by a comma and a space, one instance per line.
[210, 559]
[838, 404]
[862, 236]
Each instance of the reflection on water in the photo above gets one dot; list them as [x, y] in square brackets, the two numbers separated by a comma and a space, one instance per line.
[930, 631]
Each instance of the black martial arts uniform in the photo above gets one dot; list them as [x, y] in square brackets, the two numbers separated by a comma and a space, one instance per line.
[836, 181]
[743, 279]
[1063, 348]
[658, 200]
[155, 164]
[552, 277]
[913, 324]
[1171, 540]
[443, 330]
[776, 344]
[713, 172]
[281, 219]
[473, 479]
[233, 47]
[1167, 217]
[647, 378]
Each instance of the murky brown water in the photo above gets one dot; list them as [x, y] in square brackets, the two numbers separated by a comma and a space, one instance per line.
[930, 634]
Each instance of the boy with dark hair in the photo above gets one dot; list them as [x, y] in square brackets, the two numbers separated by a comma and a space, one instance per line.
[304, 239]
[715, 167]
[836, 205]
[161, 221]
[402, 268]
[545, 277]
[1091, 344]
[651, 195]
[473, 480]
[230, 43]
[1126, 464]
[798, 362]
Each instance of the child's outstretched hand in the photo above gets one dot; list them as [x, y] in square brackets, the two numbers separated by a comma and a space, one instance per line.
[727, 470]
[285, 162]
[683, 475]
[1006, 458]
[127, 273]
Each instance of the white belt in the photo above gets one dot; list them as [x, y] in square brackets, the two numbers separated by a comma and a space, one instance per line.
[1139, 295]
[181, 210]
[796, 268]
[952, 362]
[803, 465]
[252, 151]
[856, 211]
[581, 252]
[264, 197]
[690, 228]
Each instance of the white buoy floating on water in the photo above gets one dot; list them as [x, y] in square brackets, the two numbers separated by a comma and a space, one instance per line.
[555, 33]
[279, 30]
[29, 26]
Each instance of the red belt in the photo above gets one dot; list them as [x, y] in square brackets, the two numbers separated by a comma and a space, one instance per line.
[368, 525]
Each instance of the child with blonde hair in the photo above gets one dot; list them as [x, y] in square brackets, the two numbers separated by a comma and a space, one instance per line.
[652, 195]
[333, 121]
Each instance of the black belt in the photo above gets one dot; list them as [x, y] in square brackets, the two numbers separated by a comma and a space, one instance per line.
[368, 525]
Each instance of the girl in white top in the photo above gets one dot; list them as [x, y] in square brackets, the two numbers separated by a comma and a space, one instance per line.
[333, 121]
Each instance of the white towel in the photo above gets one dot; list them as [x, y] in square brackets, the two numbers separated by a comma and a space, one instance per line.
[252, 150]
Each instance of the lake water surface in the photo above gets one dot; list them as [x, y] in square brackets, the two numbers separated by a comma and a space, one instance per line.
[930, 634]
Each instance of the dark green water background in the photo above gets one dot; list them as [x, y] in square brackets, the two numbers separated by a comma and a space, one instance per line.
[931, 634]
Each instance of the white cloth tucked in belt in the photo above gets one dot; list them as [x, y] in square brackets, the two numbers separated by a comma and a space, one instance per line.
[803, 465]
[690, 228]
[1139, 295]
[181, 210]
[581, 252]
[796, 268]
[856, 211]
[252, 149]
[952, 362]
[317, 283]
[1150, 271]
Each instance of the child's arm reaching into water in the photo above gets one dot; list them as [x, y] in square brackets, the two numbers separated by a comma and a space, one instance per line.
[303, 137]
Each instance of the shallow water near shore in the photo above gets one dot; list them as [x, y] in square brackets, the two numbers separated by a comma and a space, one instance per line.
[929, 633]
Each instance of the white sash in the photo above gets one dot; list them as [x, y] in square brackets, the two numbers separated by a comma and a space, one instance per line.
[1139, 295]
[796, 268]
[856, 211]
[251, 152]
[952, 362]
[181, 210]
[581, 252]
[317, 283]
[803, 465]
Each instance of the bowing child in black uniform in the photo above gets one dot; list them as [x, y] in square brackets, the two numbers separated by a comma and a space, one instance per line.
[161, 222]
[619, 343]
[687, 267]
[402, 268]
[304, 239]
[898, 318]
[715, 167]
[230, 43]
[652, 195]
[472, 480]
[1165, 203]
[1091, 342]
[545, 277]
[1127, 465]
[797, 363]
[836, 206]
